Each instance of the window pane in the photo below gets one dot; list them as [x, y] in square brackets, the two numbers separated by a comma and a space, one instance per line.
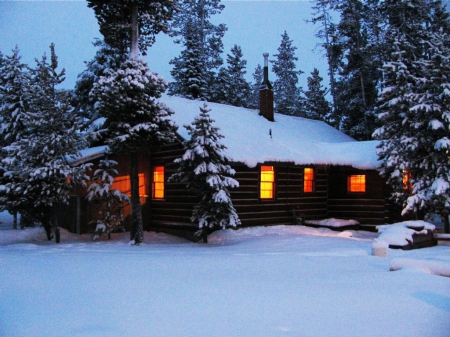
[267, 182]
[158, 182]
[357, 183]
[308, 180]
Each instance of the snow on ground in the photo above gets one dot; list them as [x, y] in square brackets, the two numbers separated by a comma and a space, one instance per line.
[264, 281]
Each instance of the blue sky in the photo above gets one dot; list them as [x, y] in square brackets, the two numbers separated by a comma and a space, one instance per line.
[256, 26]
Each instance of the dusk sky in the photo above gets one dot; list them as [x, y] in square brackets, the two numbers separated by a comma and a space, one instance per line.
[256, 26]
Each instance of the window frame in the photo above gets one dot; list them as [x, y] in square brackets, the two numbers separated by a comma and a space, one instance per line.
[156, 182]
[271, 183]
[354, 187]
[309, 182]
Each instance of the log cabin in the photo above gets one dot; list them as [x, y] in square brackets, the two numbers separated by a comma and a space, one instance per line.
[290, 170]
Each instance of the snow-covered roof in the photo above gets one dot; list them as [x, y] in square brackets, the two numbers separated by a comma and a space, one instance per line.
[89, 154]
[252, 139]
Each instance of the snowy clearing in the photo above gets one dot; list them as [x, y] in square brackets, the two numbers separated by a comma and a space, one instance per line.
[265, 281]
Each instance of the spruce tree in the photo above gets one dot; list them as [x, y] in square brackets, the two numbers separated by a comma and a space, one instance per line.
[322, 10]
[38, 161]
[122, 21]
[191, 80]
[202, 47]
[285, 87]
[204, 169]
[14, 91]
[108, 202]
[316, 104]
[255, 87]
[105, 58]
[238, 89]
[356, 88]
[127, 97]
[413, 108]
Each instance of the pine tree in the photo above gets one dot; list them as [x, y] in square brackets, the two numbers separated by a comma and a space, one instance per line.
[191, 80]
[355, 90]
[14, 87]
[105, 58]
[202, 47]
[286, 92]
[255, 87]
[15, 81]
[135, 120]
[38, 162]
[204, 169]
[109, 202]
[326, 33]
[238, 87]
[428, 160]
[316, 104]
[413, 108]
[122, 21]
[126, 96]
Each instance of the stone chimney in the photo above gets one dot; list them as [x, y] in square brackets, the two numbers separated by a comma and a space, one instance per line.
[266, 93]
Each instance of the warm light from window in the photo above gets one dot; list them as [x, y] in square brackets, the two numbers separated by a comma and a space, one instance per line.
[158, 182]
[357, 183]
[406, 180]
[122, 183]
[267, 182]
[308, 180]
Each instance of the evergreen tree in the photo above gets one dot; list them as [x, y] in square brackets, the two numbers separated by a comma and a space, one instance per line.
[316, 105]
[204, 169]
[135, 120]
[238, 87]
[105, 58]
[126, 96]
[14, 90]
[321, 15]
[413, 108]
[219, 90]
[355, 90]
[123, 21]
[202, 47]
[258, 76]
[109, 202]
[37, 163]
[286, 92]
[230, 86]
[15, 81]
[191, 80]
[429, 164]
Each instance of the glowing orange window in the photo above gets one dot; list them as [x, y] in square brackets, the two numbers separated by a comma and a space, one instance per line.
[308, 180]
[122, 183]
[158, 182]
[407, 180]
[267, 182]
[356, 183]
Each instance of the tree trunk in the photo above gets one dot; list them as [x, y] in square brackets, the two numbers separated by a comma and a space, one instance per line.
[56, 224]
[15, 220]
[137, 225]
[134, 43]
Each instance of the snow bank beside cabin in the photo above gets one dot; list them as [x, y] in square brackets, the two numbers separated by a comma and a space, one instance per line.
[332, 222]
[401, 234]
[439, 268]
